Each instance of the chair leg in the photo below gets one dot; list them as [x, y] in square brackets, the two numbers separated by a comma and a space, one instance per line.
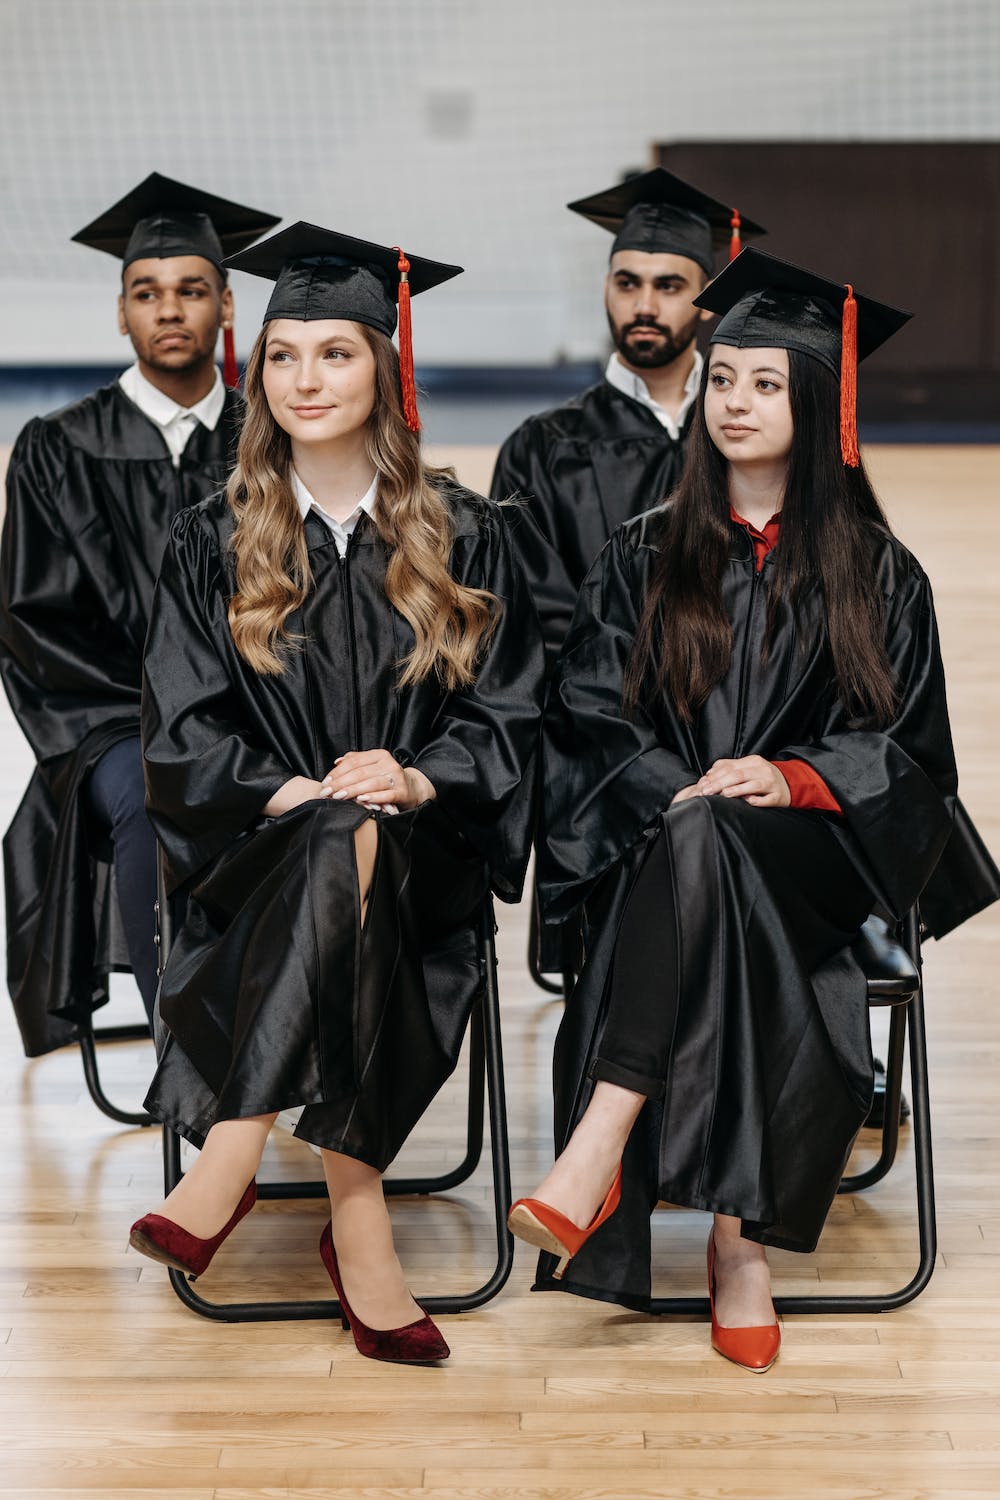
[88, 1039]
[486, 1057]
[550, 986]
[890, 1116]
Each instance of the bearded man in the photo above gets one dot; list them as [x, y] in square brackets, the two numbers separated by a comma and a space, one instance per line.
[91, 494]
[617, 449]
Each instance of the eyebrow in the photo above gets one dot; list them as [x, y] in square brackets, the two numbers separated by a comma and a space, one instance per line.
[757, 370]
[339, 338]
[673, 277]
[194, 280]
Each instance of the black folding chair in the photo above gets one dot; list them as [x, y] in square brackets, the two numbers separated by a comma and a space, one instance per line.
[892, 966]
[110, 947]
[485, 1076]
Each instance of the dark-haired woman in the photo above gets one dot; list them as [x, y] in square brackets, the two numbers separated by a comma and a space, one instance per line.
[341, 700]
[748, 751]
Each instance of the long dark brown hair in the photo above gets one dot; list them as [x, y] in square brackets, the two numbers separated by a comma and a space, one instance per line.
[831, 522]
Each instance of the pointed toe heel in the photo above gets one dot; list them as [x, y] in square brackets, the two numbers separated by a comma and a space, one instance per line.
[754, 1349]
[546, 1228]
[164, 1241]
[417, 1343]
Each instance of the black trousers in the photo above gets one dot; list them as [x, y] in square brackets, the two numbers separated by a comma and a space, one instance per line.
[116, 797]
[821, 896]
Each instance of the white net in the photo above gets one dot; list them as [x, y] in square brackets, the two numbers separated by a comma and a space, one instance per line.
[459, 127]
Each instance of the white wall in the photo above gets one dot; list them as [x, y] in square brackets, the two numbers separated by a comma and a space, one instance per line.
[456, 127]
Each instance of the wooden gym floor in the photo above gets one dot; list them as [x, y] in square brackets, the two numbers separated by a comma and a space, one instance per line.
[110, 1388]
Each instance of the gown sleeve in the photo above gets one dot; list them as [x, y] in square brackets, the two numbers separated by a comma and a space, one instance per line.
[607, 778]
[896, 786]
[207, 779]
[65, 671]
[520, 476]
[481, 757]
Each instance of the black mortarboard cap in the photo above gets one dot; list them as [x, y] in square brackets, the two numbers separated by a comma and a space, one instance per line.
[660, 214]
[321, 274]
[767, 303]
[162, 218]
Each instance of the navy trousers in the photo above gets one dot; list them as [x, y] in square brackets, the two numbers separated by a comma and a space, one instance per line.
[116, 796]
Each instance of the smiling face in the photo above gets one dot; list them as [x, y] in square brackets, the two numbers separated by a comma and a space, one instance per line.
[172, 310]
[648, 299]
[319, 378]
[748, 410]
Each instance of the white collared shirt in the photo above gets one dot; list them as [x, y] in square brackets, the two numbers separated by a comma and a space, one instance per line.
[341, 529]
[176, 423]
[631, 384]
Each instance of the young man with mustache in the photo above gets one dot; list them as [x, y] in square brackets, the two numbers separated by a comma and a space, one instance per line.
[617, 449]
[91, 493]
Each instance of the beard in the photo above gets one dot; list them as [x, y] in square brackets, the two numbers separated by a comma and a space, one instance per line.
[653, 355]
[198, 347]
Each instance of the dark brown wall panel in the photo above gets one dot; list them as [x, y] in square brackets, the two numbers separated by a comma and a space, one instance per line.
[916, 224]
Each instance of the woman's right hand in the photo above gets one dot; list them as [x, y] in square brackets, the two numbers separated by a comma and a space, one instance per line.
[294, 792]
[685, 792]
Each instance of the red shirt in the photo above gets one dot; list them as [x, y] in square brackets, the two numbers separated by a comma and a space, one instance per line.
[806, 786]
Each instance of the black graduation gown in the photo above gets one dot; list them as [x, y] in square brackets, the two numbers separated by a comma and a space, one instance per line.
[582, 468]
[271, 995]
[91, 495]
[786, 1112]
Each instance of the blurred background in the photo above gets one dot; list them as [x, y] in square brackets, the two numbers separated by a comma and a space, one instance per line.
[867, 138]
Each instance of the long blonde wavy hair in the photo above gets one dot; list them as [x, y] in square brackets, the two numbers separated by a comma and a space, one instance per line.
[452, 624]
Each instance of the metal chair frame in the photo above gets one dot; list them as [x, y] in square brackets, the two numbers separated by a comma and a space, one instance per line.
[907, 1006]
[485, 1076]
[88, 1038]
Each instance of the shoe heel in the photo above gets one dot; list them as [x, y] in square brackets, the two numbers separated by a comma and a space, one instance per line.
[557, 1274]
[345, 1322]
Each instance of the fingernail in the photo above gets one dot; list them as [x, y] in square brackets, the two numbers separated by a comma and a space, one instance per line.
[338, 796]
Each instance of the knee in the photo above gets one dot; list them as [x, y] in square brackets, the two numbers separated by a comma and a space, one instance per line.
[706, 818]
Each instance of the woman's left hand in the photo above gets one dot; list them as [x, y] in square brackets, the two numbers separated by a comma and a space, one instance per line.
[752, 777]
[376, 779]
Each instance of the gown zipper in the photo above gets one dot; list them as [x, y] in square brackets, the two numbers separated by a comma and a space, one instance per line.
[349, 615]
[741, 694]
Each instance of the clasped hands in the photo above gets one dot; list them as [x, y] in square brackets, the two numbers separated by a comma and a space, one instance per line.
[372, 778]
[752, 777]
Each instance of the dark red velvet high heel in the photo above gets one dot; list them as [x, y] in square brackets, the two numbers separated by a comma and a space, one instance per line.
[416, 1343]
[163, 1240]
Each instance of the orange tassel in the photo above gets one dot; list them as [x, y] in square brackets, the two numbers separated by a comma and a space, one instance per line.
[230, 369]
[735, 243]
[849, 382]
[406, 377]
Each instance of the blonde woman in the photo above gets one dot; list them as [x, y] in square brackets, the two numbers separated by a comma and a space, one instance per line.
[340, 707]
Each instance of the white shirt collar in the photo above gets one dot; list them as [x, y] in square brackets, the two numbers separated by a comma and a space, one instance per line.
[167, 413]
[341, 529]
[633, 385]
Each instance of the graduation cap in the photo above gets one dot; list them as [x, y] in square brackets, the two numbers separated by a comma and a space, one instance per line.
[320, 274]
[660, 214]
[769, 303]
[162, 218]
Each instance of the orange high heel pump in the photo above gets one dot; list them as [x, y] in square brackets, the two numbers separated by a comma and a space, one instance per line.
[538, 1224]
[755, 1349]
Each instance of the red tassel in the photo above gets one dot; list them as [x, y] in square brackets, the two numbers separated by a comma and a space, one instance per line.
[406, 377]
[735, 243]
[230, 369]
[849, 382]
